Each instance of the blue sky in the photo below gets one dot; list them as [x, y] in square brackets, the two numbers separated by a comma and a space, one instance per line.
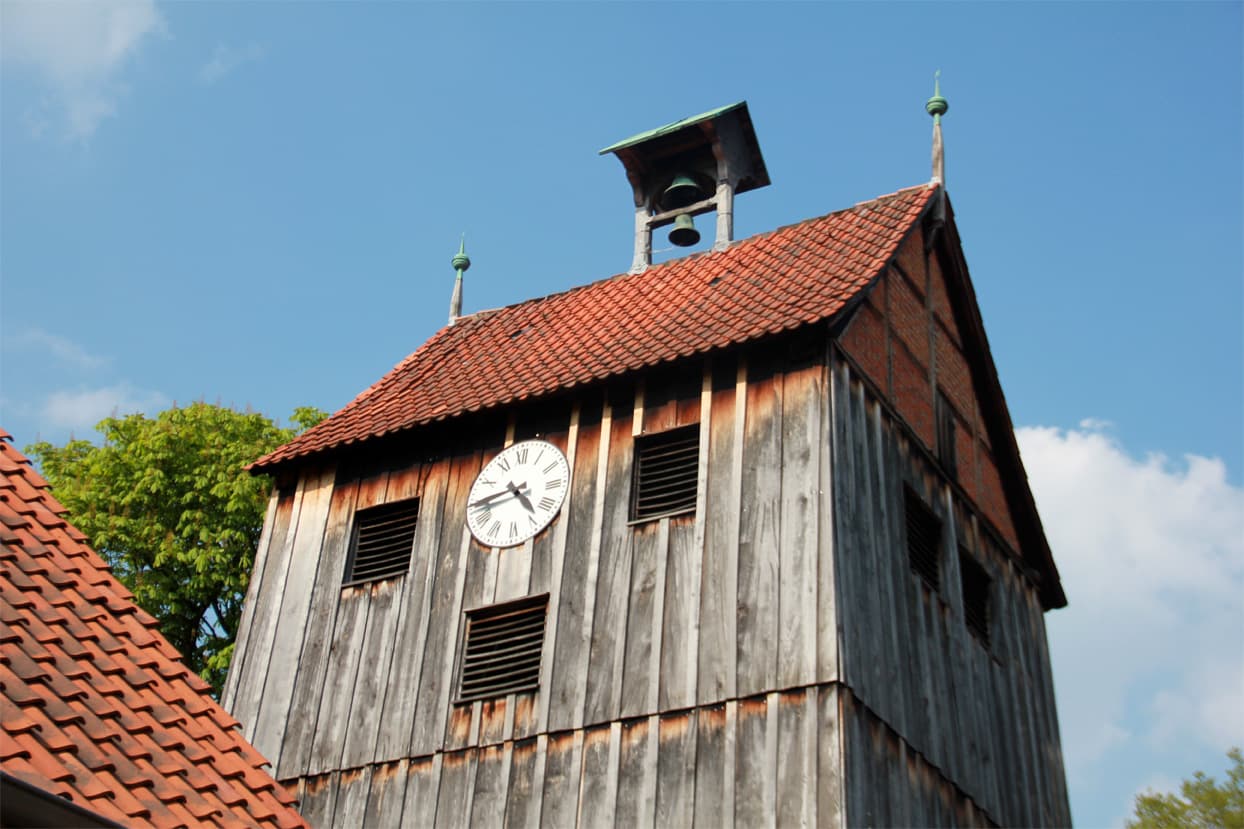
[257, 204]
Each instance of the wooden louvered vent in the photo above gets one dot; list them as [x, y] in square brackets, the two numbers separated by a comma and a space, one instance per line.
[666, 473]
[382, 541]
[975, 596]
[502, 651]
[924, 540]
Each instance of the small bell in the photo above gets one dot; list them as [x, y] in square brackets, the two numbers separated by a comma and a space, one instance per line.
[684, 233]
[682, 191]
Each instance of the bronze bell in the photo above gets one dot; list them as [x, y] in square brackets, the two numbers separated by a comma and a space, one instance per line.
[684, 233]
[681, 192]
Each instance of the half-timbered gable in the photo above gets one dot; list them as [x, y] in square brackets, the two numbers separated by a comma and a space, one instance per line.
[796, 575]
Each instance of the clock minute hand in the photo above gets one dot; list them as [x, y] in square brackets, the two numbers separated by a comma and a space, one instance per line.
[488, 499]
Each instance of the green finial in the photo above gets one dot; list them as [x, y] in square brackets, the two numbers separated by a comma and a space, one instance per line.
[937, 105]
[461, 261]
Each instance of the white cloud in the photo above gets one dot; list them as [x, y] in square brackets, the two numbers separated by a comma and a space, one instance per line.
[1150, 651]
[45, 342]
[81, 410]
[226, 59]
[78, 48]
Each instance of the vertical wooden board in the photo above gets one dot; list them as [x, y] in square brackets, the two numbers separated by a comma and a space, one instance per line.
[492, 719]
[914, 704]
[641, 638]
[491, 782]
[613, 579]
[719, 571]
[753, 777]
[353, 787]
[443, 614]
[676, 803]
[291, 626]
[830, 811]
[595, 802]
[475, 594]
[710, 768]
[388, 791]
[264, 613]
[560, 800]
[797, 540]
[635, 800]
[343, 664]
[678, 634]
[271, 525]
[797, 758]
[319, 798]
[546, 546]
[760, 511]
[873, 648]
[423, 781]
[549, 648]
[522, 803]
[894, 583]
[826, 550]
[393, 741]
[846, 522]
[526, 716]
[373, 674]
[457, 782]
[309, 683]
[573, 641]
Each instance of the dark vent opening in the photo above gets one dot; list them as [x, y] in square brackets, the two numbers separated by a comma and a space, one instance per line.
[501, 654]
[976, 584]
[667, 468]
[946, 449]
[382, 541]
[924, 540]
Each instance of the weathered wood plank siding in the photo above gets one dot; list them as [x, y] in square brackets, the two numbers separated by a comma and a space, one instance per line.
[980, 716]
[706, 668]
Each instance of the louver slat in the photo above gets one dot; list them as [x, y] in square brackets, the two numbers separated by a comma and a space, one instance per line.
[666, 473]
[924, 540]
[975, 596]
[503, 648]
[382, 541]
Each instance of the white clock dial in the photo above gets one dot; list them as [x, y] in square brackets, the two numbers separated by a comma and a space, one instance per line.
[518, 493]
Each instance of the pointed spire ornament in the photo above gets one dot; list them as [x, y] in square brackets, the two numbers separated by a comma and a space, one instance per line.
[460, 262]
[937, 106]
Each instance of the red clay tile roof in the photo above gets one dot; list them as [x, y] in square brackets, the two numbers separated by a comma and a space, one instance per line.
[97, 706]
[790, 277]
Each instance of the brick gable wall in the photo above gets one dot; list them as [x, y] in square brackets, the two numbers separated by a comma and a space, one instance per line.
[904, 337]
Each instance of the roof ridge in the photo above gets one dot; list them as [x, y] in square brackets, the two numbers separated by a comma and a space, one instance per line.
[774, 280]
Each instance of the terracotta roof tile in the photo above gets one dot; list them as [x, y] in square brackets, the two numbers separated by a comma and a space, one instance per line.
[793, 276]
[95, 704]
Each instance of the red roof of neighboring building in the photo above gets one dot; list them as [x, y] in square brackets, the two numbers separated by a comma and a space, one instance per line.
[768, 283]
[97, 706]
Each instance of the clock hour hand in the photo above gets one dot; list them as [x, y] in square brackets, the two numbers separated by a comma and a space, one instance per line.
[522, 499]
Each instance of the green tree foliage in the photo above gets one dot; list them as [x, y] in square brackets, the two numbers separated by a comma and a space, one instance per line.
[1201, 803]
[169, 505]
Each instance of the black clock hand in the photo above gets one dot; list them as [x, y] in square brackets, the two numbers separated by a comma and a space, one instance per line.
[488, 499]
[522, 499]
[511, 490]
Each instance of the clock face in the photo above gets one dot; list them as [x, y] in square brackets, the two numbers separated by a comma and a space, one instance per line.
[518, 493]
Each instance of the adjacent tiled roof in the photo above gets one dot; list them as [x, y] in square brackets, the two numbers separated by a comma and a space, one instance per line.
[97, 706]
[790, 277]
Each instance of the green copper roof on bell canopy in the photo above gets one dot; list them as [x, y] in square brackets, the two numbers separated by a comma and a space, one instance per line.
[674, 127]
